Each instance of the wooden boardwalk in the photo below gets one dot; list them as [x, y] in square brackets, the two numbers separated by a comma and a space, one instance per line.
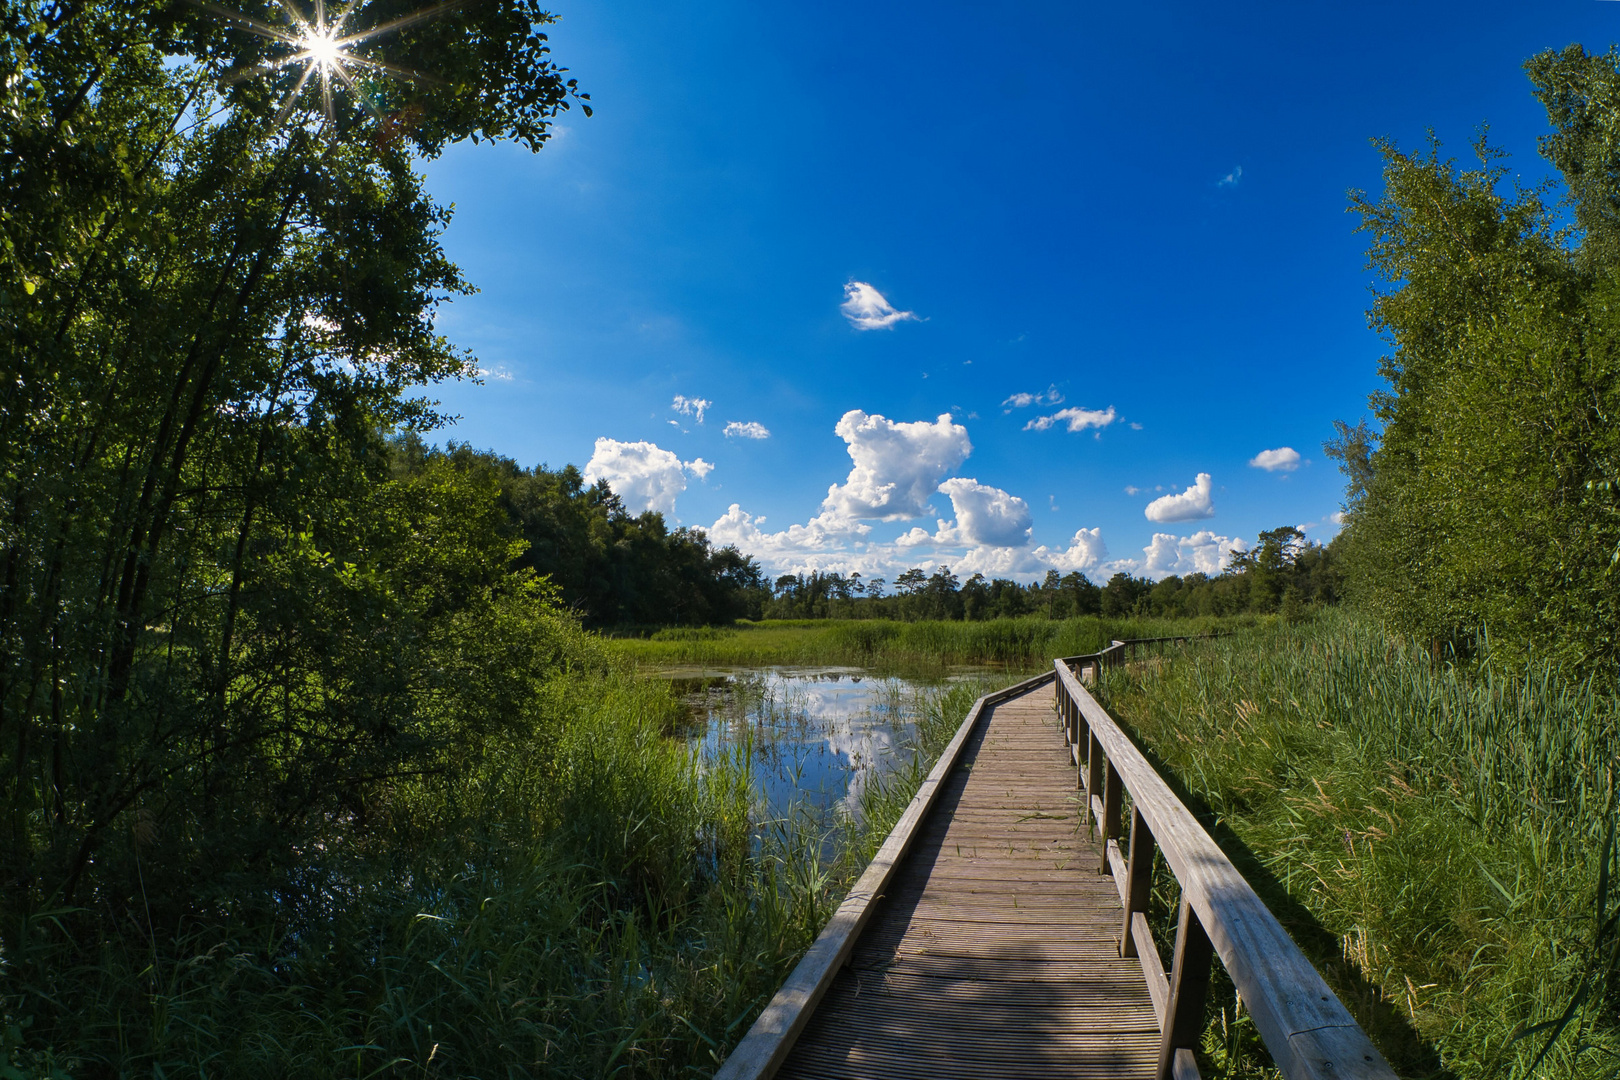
[997, 933]
[989, 937]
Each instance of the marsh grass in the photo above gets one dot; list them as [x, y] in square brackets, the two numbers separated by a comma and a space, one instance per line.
[922, 648]
[1430, 833]
[592, 900]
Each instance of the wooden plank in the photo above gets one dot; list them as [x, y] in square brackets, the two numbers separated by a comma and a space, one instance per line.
[994, 951]
[771, 1037]
[1147, 952]
[1310, 1034]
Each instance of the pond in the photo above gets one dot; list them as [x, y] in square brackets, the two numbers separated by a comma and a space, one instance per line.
[818, 735]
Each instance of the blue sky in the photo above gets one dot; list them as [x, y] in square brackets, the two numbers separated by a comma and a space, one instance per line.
[1136, 213]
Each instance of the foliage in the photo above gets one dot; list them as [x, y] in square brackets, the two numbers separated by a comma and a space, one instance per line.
[611, 568]
[1488, 501]
[582, 899]
[1432, 835]
[302, 769]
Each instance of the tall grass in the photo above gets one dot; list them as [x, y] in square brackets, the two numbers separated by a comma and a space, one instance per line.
[1024, 644]
[1430, 833]
[589, 900]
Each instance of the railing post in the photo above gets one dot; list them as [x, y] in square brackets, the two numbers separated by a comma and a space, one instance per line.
[1183, 1022]
[1096, 762]
[1112, 789]
[1138, 879]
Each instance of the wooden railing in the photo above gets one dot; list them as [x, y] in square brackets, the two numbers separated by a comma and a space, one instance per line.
[1310, 1034]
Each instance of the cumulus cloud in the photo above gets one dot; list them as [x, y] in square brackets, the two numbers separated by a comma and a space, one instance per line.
[1231, 179]
[1203, 552]
[866, 308]
[819, 544]
[1086, 552]
[691, 406]
[751, 430]
[897, 466]
[1076, 419]
[1051, 396]
[986, 515]
[494, 373]
[644, 476]
[1282, 459]
[1190, 505]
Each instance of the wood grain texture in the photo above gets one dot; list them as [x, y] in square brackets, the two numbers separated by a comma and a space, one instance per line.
[995, 949]
[774, 1032]
[1310, 1034]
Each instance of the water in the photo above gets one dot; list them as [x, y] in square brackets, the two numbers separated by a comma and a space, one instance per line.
[819, 734]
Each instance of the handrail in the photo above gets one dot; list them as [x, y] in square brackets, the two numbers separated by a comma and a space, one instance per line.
[1310, 1034]
[767, 1043]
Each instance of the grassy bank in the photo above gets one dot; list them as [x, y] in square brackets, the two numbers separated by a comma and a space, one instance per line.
[1431, 835]
[586, 898]
[1020, 644]
[583, 899]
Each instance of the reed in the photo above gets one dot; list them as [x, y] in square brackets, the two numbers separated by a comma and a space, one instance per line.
[1431, 833]
[1023, 644]
[591, 899]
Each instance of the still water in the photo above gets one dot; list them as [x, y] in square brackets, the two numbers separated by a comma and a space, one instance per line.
[818, 735]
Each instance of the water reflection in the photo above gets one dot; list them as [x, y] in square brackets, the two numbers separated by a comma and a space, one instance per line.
[818, 735]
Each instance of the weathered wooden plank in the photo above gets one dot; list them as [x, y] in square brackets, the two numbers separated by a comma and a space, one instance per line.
[773, 1033]
[1147, 952]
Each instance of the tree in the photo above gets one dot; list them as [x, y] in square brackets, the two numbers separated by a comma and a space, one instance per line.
[1484, 503]
[219, 611]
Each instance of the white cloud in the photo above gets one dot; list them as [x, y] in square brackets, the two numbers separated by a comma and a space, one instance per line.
[866, 308]
[1131, 489]
[1203, 552]
[1337, 517]
[644, 476]
[499, 373]
[691, 406]
[986, 516]
[1052, 396]
[819, 544]
[917, 537]
[1085, 552]
[1232, 178]
[1190, 505]
[1282, 459]
[897, 466]
[751, 430]
[1077, 419]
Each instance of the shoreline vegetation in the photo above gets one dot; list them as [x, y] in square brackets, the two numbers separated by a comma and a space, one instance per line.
[1027, 644]
[1432, 833]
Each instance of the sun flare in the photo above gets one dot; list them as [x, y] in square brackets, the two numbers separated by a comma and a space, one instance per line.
[320, 45]
[323, 49]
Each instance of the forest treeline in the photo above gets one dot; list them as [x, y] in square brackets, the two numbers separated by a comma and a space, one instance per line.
[620, 570]
[608, 566]
[1282, 573]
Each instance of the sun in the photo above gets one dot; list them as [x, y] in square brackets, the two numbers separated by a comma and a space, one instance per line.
[327, 54]
[323, 49]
